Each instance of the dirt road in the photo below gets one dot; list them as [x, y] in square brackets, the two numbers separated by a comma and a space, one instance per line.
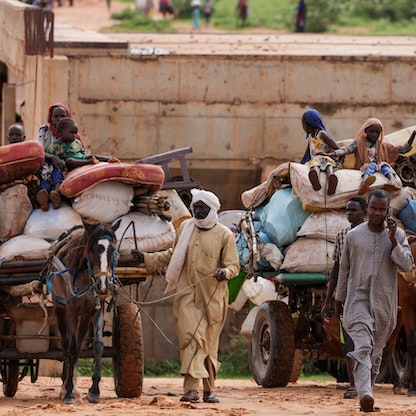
[237, 398]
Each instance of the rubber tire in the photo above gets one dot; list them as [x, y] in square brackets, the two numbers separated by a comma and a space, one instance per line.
[128, 365]
[297, 366]
[400, 362]
[11, 378]
[273, 345]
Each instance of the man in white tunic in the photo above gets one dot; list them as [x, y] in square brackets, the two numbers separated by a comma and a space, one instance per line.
[202, 261]
[367, 288]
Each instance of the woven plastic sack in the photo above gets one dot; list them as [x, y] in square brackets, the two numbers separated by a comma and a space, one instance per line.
[311, 255]
[151, 232]
[51, 224]
[15, 208]
[23, 247]
[281, 218]
[349, 181]
[325, 225]
[105, 201]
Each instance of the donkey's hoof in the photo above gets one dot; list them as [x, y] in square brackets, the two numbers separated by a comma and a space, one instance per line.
[93, 398]
[411, 392]
[69, 400]
[399, 391]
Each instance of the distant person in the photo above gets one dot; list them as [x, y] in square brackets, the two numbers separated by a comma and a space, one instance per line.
[15, 133]
[300, 16]
[165, 7]
[207, 11]
[242, 11]
[196, 13]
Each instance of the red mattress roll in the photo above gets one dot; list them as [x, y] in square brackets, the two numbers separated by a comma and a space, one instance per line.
[19, 160]
[150, 177]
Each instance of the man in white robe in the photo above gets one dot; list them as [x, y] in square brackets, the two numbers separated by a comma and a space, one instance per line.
[202, 261]
[367, 288]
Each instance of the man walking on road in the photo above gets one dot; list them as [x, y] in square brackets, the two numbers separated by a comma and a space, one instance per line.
[201, 263]
[367, 289]
[356, 210]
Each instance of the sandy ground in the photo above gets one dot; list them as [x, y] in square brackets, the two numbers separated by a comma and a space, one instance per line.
[237, 398]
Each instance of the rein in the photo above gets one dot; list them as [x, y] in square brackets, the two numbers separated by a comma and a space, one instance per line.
[60, 298]
[90, 273]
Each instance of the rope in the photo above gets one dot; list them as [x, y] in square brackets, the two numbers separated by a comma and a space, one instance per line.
[126, 296]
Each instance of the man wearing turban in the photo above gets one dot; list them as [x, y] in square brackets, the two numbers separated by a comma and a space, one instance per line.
[203, 259]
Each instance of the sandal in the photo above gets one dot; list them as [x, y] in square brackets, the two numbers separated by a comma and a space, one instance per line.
[210, 398]
[367, 405]
[314, 179]
[190, 396]
[350, 393]
[332, 184]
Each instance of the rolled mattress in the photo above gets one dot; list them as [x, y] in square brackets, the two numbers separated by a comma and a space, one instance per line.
[18, 160]
[150, 177]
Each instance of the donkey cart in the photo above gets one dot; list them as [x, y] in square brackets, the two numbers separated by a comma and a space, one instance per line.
[29, 331]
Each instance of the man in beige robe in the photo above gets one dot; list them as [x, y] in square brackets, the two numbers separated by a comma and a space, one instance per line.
[202, 261]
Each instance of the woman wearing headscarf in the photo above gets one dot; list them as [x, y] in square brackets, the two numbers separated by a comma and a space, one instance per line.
[202, 261]
[319, 143]
[373, 154]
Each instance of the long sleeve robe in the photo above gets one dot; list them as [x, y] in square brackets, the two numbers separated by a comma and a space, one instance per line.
[200, 311]
[367, 285]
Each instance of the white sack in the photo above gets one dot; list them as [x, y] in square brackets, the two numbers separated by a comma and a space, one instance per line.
[105, 201]
[309, 255]
[23, 247]
[349, 181]
[272, 254]
[325, 225]
[152, 233]
[51, 224]
[15, 208]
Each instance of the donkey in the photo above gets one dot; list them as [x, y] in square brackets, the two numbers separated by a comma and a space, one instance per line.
[80, 278]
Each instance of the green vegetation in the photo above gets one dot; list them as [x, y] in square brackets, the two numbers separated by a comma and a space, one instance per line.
[370, 17]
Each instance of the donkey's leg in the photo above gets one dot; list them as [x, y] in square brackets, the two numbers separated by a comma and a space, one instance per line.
[98, 348]
[71, 359]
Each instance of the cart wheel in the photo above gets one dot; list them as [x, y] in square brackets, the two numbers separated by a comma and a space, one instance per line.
[10, 376]
[272, 345]
[128, 364]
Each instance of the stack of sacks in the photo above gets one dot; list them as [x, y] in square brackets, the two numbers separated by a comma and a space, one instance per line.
[313, 249]
[40, 230]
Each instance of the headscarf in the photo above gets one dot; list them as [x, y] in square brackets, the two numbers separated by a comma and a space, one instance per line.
[361, 157]
[314, 119]
[69, 114]
[178, 257]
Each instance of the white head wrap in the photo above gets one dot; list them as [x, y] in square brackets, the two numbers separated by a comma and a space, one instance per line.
[178, 257]
[212, 201]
